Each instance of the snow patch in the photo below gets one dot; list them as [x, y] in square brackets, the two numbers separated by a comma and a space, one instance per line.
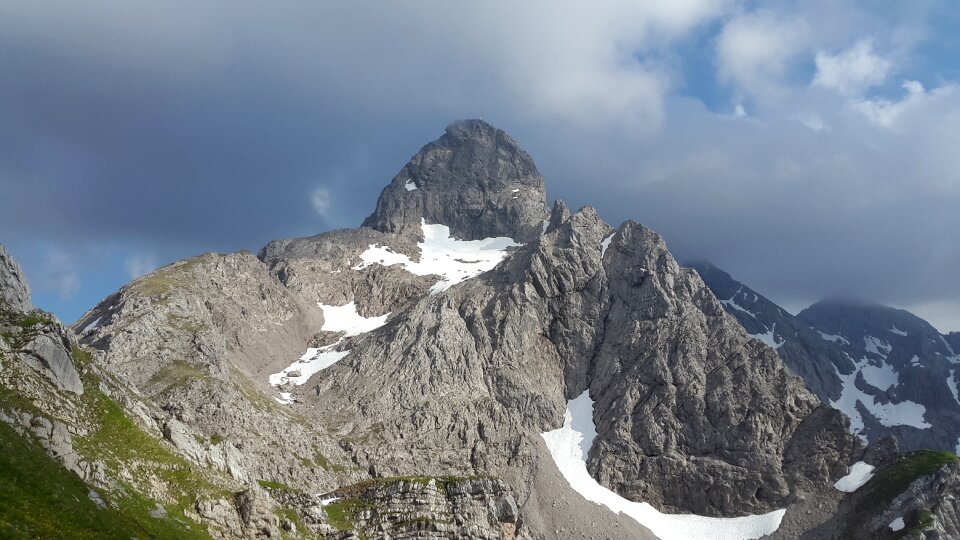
[443, 255]
[605, 243]
[769, 337]
[324, 502]
[545, 226]
[312, 362]
[952, 385]
[410, 185]
[833, 337]
[880, 377]
[897, 524]
[346, 319]
[954, 358]
[92, 326]
[286, 398]
[516, 190]
[915, 361]
[876, 346]
[893, 328]
[731, 302]
[569, 445]
[904, 413]
[860, 473]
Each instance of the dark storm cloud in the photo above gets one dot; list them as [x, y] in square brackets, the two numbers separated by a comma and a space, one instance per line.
[172, 129]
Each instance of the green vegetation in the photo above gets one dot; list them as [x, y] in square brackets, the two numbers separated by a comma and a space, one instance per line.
[893, 480]
[185, 324]
[177, 373]
[81, 357]
[39, 498]
[320, 460]
[120, 443]
[165, 279]
[919, 521]
[280, 486]
[291, 515]
[342, 512]
[18, 329]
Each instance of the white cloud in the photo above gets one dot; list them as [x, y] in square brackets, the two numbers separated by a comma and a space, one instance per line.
[140, 265]
[320, 199]
[754, 50]
[852, 71]
[934, 106]
[58, 273]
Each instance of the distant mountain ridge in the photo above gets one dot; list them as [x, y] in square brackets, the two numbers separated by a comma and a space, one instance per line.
[890, 371]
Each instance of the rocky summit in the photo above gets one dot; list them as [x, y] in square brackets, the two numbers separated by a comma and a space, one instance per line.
[469, 363]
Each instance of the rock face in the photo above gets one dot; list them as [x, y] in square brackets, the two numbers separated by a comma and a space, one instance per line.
[886, 368]
[474, 179]
[33, 336]
[14, 290]
[804, 351]
[423, 507]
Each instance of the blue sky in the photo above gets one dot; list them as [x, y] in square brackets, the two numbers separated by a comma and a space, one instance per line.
[806, 147]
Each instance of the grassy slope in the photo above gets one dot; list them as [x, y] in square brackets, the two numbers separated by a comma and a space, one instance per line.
[39, 498]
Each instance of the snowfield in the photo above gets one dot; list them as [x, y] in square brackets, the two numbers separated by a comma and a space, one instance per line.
[605, 243]
[905, 413]
[769, 337]
[335, 319]
[569, 445]
[860, 473]
[346, 319]
[442, 255]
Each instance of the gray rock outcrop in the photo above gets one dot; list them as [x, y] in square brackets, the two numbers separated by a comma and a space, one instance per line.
[474, 179]
[14, 289]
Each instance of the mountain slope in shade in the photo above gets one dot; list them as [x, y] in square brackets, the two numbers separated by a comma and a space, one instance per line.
[891, 372]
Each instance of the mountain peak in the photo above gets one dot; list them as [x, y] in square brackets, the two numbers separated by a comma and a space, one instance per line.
[475, 179]
[14, 290]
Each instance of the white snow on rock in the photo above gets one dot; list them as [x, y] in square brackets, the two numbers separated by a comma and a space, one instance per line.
[605, 244]
[833, 337]
[346, 319]
[915, 361]
[410, 185]
[904, 413]
[877, 346]
[312, 362]
[897, 524]
[881, 377]
[546, 225]
[286, 398]
[952, 385]
[324, 502]
[335, 319]
[731, 302]
[954, 357]
[860, 473]
[442, 255]
[769, 337]
[897, 331]
[569, 445]
[92, 326]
